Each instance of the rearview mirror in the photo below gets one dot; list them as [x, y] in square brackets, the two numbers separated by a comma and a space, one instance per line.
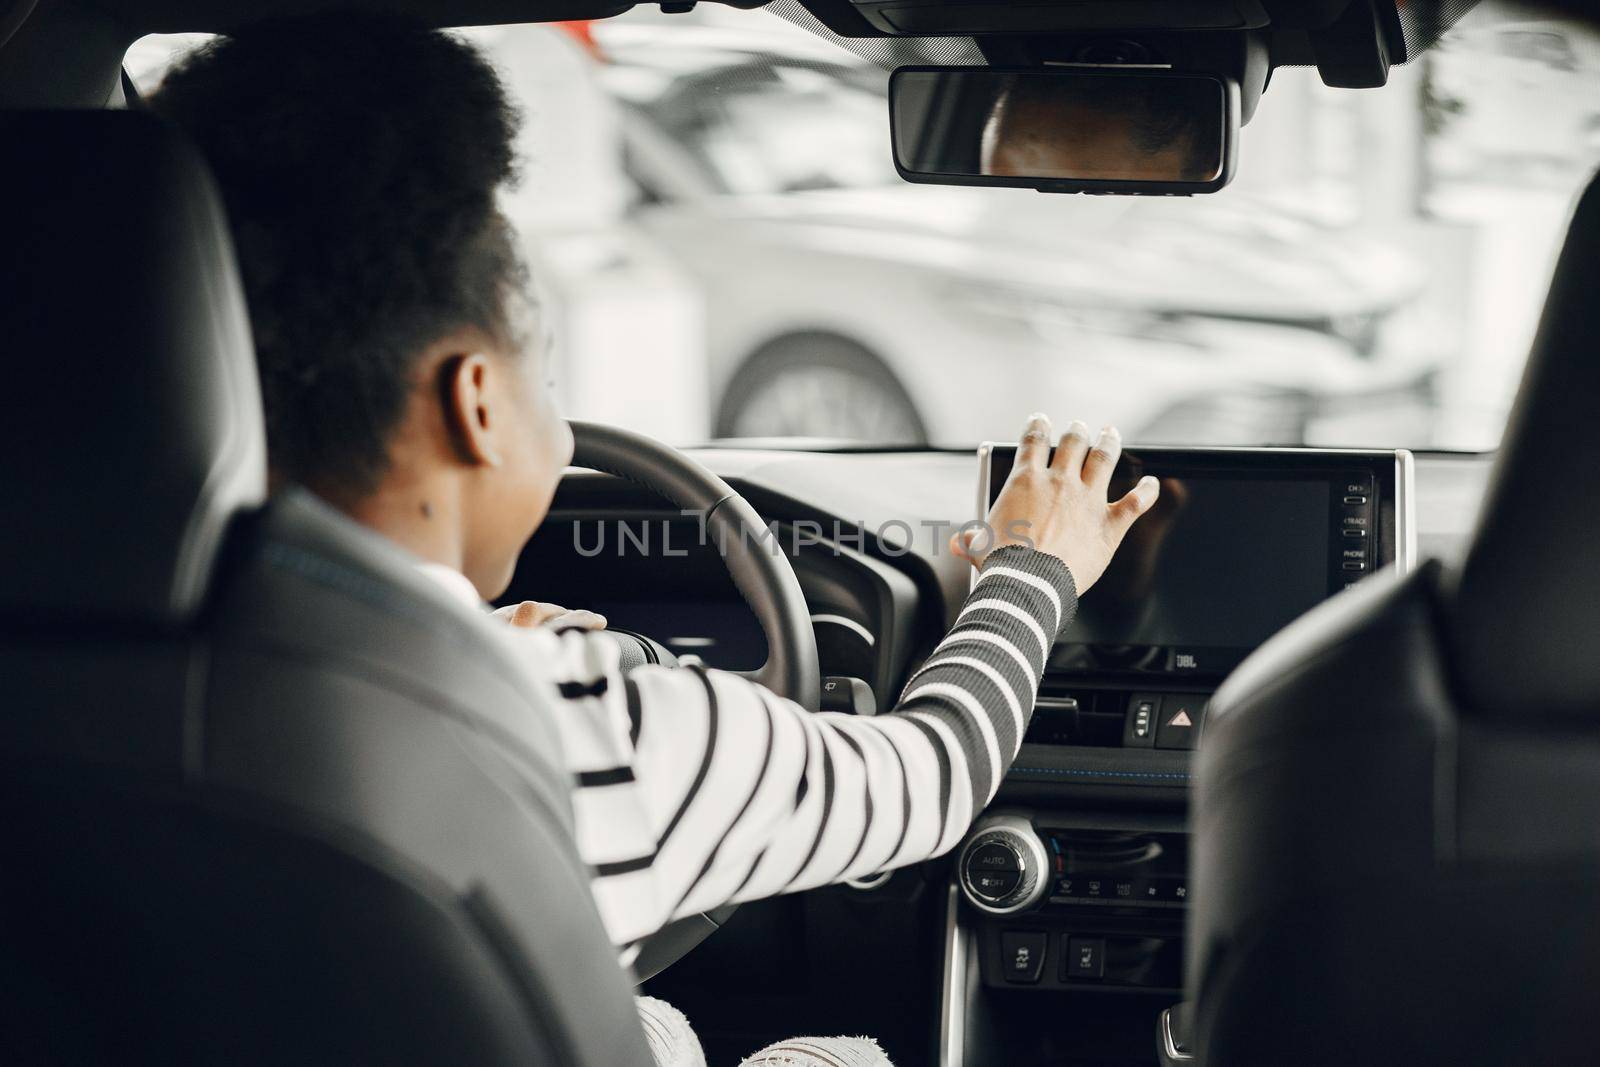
[1070, 131]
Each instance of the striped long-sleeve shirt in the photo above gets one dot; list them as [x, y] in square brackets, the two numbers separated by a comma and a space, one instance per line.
[697, 788]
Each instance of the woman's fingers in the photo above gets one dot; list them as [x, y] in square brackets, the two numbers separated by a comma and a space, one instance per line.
[1102, 458]
[578, 619]
[534, 613]
[1134, 502]
[529, 613]
[1034, 446]
[1063, 511]
[961, 546]
[1073, 447]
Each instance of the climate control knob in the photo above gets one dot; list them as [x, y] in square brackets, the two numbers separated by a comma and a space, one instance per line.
[1003, 866]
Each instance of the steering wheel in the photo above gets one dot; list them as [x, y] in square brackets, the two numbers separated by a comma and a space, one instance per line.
[760, 570]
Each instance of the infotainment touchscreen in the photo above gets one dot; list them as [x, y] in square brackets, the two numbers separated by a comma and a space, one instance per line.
[1237, 546]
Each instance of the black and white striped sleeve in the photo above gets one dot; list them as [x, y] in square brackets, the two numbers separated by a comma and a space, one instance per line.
[696, 788]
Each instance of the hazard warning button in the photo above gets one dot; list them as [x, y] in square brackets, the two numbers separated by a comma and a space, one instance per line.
[1179, 724]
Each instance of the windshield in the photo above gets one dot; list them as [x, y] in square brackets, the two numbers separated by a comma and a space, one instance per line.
[724, 251]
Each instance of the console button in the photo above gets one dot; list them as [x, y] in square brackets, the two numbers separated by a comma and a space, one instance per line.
[1139, 729]
[1085, 959]
[1004, 866]
[994, 885]
[1354, 565]
[1354, 499]
[1169, 889]
[1022, 955]
[1123, 889]
[1355, 533]
[991, 858]
[1180, 721]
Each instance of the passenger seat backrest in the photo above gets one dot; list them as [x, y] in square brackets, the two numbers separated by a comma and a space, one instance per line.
[1396, 855]
[1526, 603]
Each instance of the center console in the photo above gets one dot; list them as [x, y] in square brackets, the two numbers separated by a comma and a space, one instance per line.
[1065, 901]
[1239, 543]
[1067, 908]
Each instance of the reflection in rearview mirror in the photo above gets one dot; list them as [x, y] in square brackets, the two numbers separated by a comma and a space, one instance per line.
[1064, 131]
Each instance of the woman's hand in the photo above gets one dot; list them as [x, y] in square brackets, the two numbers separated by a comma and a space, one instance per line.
[534, 613]
[1060, 506]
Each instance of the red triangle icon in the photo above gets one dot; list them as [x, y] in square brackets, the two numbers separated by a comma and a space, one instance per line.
[1181, 719]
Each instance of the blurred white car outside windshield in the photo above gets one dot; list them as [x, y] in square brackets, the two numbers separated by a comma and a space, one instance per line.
[724, 250]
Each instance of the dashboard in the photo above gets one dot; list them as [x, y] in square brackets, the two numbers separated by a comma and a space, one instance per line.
[1076, 876]
[1241, 542]
[615, 548]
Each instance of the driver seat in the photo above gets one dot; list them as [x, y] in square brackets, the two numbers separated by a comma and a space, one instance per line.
[1397, 811]
[269, 797]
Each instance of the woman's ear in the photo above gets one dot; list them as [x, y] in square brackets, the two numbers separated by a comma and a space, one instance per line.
[474, 408]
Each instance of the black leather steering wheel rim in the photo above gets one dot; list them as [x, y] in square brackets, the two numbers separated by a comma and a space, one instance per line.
[760, 571]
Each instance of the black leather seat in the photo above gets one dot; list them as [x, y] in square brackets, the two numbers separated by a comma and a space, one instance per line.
[1397, 815]
[265, 794]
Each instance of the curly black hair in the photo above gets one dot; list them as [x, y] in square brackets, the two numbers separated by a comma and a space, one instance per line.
[359, 158]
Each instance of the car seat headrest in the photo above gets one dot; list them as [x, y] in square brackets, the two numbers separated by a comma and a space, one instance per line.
[133, 430]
